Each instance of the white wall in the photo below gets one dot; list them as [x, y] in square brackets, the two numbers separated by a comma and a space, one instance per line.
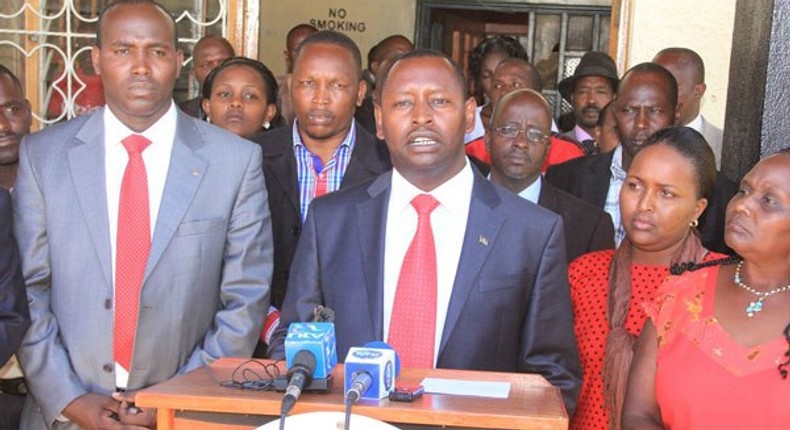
[706, 26]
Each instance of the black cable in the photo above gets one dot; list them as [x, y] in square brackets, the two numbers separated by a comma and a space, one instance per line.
[246, 376]
[282, 421]
[347, 424]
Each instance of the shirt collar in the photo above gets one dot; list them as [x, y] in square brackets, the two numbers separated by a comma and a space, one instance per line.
[532, 192]
[581, 134]
[163, 129]
[617, 162]
[348, 140]
[448, 194]
[696, 123]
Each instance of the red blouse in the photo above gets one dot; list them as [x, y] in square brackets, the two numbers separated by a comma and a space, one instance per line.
[589, 281]
[704, 378]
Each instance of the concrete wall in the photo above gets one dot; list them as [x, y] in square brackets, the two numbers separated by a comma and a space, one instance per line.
[705, 26]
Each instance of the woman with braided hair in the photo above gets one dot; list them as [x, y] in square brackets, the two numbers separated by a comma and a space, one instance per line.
[665, 191]
[715, 351]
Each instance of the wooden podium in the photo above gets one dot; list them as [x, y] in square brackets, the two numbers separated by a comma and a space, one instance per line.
[196, 401]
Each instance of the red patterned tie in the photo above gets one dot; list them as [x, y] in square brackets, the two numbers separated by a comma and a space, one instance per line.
[132, 246]
[320, 183]
[413, 323]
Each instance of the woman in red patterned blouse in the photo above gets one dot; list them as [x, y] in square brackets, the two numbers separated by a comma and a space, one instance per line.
[663, 195]
[715, 352]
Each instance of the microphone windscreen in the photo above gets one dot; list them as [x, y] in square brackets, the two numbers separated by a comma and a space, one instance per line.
[384, 345]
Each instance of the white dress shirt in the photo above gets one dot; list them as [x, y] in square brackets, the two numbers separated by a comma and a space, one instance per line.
[448, 222]
[157, 160]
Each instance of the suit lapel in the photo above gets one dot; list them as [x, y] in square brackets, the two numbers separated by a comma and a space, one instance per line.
[86, 162]
[361, 165]
[595, 179]
[282, 162]
[548, 197]
[184, 175]
[371, 223]
[482, 228]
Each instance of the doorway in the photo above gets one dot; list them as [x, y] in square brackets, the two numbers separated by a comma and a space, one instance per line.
[555, 37]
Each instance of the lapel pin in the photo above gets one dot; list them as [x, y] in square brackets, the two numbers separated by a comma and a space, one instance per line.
[195, 172]
[482, 240]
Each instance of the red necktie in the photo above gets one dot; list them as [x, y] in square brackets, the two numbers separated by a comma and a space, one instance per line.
[413, 323]
[320, 183]
[131, 251]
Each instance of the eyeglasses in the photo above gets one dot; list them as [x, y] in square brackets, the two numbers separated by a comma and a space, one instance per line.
[510, 132]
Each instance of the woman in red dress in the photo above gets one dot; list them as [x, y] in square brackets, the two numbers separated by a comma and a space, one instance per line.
[715, 352]
[663, 195]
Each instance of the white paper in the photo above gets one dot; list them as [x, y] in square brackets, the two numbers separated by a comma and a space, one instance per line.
[458, 387]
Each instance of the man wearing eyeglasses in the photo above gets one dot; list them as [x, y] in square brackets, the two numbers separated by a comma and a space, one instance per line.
[518, 143]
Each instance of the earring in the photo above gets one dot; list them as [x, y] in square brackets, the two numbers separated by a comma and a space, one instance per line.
[266, 125]
[694, 224]
[208, 119]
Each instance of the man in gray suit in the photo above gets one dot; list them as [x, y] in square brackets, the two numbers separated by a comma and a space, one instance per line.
[689, 70]
[200, 289]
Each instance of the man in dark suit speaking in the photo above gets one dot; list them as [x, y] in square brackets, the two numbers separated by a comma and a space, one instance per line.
[450, 269]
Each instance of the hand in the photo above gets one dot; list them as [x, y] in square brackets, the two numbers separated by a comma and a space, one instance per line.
[92, 411]
[96, 412]
[130, 414]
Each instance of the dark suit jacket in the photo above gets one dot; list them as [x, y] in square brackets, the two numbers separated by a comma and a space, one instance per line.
[587, 228]
[14, 315]
[588, 178]
[510, 308]
[193, 108]
[369, 159]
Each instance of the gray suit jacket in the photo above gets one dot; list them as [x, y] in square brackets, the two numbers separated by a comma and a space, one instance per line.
[206, 285]
[713, 135]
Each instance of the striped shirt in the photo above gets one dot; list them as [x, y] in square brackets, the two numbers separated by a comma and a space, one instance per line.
[612, 205]
[309, 166]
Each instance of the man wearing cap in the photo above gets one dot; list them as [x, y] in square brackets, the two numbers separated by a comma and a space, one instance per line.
[591, 87]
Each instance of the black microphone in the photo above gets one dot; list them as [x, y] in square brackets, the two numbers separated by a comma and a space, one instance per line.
[300, 374]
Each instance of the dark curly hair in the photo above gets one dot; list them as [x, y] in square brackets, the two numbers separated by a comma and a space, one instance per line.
[272, 89]
[505, 44]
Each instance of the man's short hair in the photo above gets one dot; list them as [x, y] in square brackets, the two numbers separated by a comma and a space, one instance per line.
[534, 76]
[656, 69]
[298, 28]
[5, 71]
[422, 53]
[117, 3]
[688, 58]
[330, 37]
[216, 37]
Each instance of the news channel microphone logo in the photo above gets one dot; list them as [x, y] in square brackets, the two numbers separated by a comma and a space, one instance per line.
[367, 354]
[318, 338]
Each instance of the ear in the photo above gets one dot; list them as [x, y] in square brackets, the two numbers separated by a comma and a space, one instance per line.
[700, 207]
[699, 90]
[179, 61]
[96, 59]
[205, 104]
[677, 114]
[363, 89]
[271, 111]
[469, 112]
[379, 121]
